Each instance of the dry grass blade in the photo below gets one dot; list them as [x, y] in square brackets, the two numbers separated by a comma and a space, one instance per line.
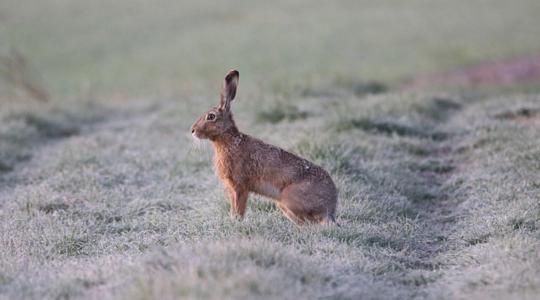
[17, 72]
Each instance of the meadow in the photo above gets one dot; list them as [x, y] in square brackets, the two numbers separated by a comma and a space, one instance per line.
[105, 195]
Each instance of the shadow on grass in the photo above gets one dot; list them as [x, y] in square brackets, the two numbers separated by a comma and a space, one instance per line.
[47, 127]
[389, 128]
[346, 87]
[280, 113]
[438, 108]
[22, 131]
[379, 126]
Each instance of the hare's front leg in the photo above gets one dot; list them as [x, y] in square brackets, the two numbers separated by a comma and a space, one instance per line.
[238, 199]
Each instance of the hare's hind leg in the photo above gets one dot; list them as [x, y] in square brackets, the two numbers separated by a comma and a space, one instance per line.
[290, 215]
[308, 201]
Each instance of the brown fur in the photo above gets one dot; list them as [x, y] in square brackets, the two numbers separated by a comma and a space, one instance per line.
[303, 190]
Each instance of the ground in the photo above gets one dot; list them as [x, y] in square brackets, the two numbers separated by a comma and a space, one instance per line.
[104, 194]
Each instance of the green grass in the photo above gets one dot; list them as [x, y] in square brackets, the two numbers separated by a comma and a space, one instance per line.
[103, 193]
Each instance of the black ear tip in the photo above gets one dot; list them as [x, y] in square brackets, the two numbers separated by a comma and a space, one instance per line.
[232, 74]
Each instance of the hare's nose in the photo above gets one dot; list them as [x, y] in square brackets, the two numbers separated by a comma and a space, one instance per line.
[192, 130]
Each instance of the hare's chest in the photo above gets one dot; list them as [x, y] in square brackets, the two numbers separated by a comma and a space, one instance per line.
[225, 167]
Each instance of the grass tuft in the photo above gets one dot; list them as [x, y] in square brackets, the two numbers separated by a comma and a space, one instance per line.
[71, 246]
[52, 207]
[368, 88]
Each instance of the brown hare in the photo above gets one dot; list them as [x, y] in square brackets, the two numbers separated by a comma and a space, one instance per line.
[302, 190]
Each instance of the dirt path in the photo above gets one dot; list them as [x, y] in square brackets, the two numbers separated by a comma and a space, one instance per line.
[434, 207]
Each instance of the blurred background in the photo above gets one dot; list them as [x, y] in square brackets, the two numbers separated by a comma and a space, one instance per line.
[75, 49]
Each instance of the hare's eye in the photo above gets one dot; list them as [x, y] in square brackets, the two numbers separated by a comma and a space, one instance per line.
[210, 117]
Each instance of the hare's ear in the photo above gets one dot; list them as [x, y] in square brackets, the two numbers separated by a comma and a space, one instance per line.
[229, 89]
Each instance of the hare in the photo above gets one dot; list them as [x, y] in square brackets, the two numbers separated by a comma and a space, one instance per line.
[302, 190]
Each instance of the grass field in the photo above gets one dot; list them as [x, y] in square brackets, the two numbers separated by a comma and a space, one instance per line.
[103, 193]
